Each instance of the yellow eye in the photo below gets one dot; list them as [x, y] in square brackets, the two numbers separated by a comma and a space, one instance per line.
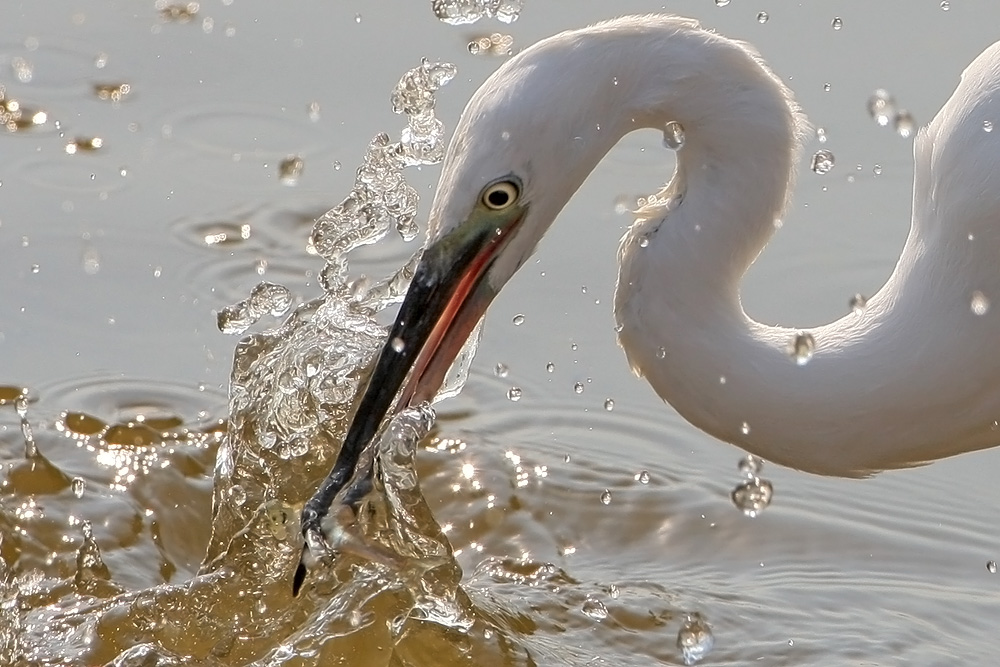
[498, 196]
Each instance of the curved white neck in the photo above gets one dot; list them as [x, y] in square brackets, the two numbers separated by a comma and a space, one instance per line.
[861, 403]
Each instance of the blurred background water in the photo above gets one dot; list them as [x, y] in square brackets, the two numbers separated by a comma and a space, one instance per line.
[585, 534]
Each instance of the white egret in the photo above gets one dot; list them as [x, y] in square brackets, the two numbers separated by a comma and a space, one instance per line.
[913, 377]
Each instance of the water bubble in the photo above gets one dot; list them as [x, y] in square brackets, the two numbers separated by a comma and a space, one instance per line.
[882, 107]
[514, 394]
[595, 609]
[398, 344]
[642, 477]
[518, 320]
[858, 303]
[550, 367]
[837, 23]
[694, 639]
[905, 124]
[606, 497]
[822, 162]
[79, 485]
[762, 17]
[501, 370]
[987, 126]
[801, 348]
[980, 304]
[609, 404]
[991, 566]
[673, 135]
[578, 387]
[753, 496]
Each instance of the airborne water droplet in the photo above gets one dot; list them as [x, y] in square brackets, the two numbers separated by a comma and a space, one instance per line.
[518, 320]
[762, 17]
[801, 348]
[745, 428]
[750, 466]
[905, 124]
[979, 304]
[501, 370]
[991, 566]
[822, 162]
[695, 639]
[858, 303]
[79, 485]
[987, 126]
[514, 394]
[609, 404]
[606, 497]
[578, 387]
[837, 23]
[753, 496]
[882, 107]
[550, 367]
[673, 135]
[398, 344]
[642, 477]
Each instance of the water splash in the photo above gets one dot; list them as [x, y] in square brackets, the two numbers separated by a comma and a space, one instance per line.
[695, 639]
[463, 12]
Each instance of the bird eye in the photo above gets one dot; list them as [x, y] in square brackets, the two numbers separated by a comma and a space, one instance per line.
[498, 196]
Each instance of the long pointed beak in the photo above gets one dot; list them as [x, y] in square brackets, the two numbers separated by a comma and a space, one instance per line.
[447, 297]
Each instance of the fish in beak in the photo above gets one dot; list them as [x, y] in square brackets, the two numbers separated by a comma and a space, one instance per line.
[448, 295]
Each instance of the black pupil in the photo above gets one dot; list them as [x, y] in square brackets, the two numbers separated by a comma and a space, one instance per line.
[498, 197]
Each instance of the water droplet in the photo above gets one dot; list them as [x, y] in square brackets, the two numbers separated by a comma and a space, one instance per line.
[644, 242]
[991, 566]
[945, 5]
[518, 320]
[882, 107]
[398, 344]
[750, 466]
[614, 592]
[826, 87]
[753, 496]
[35, 268]
[501, 370]
[762, 17]
[661, 353]
[673, 135]
[514, 394]
[595, 609]
[822, 162]
[606, 497]
[574, 347]
[877, 170]
[609, 404]
[801, 348]
[821, 135]
[578, 387]
[79, 485]
[980, 303]
[642, 477]
[290, 170]
[745, 428]
[905, 124]
[987, 126]
[858, 303]
[837, 23]
[721, 3]
[550, 367]
[694, 639]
